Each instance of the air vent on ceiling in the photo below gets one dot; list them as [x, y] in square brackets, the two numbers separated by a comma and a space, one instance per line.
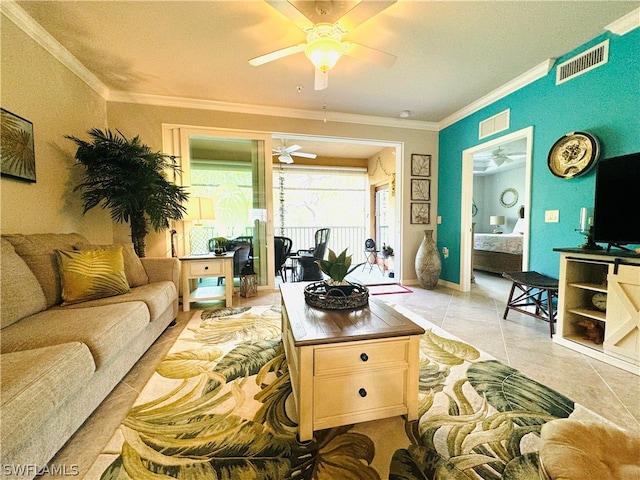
[494, 124]
[588, 60]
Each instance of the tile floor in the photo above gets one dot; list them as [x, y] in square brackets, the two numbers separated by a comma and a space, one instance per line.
[475, 317]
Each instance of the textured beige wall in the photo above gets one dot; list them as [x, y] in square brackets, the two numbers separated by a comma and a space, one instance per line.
[39, 88]
[147, 120]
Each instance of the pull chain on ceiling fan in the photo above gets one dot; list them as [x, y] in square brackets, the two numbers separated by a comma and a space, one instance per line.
[325, 23]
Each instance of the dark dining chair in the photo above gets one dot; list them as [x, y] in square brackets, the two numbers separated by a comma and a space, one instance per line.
[242, 258]
[308, 268]
[282, 248]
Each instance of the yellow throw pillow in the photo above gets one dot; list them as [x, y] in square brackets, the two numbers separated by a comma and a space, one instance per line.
[91, 274]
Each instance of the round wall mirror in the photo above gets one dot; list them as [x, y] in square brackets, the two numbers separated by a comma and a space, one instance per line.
[509, 197]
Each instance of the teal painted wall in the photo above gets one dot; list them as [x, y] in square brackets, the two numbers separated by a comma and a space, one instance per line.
[604, 102]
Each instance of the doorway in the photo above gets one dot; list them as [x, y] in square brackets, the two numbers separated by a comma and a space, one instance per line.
[332, 152]
[495, 152]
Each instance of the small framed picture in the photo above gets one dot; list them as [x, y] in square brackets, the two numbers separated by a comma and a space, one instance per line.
[421, 213]
[17, 152]
[420, 189]
[420, 165]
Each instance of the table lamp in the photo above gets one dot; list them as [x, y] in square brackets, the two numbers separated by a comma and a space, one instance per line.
[199, 209]
[497, 220]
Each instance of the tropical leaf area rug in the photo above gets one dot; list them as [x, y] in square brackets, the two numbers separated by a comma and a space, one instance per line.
[220, 407]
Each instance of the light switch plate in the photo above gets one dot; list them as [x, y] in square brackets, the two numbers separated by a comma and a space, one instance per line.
[552, 216]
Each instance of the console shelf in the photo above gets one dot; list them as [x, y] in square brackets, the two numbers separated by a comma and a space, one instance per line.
[583, 275]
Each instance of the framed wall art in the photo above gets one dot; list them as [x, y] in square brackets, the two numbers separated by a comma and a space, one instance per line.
[17, 153]
[420, 165]
[421, 213]
[420, 189]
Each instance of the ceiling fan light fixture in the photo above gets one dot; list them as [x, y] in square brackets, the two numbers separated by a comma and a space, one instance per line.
[285, 158]
[324, 53]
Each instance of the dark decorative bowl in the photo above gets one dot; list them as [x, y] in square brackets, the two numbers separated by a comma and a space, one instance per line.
[336, 297]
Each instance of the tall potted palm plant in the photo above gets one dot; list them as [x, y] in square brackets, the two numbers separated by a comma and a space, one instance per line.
[125, 176]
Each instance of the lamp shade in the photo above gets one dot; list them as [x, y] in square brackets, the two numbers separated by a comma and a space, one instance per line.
[496, 220]
[200, 208]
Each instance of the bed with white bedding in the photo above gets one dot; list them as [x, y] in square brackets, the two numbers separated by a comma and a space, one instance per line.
[501, 252]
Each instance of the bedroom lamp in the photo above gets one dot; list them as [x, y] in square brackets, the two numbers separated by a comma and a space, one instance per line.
[497, 221]
[199, 209]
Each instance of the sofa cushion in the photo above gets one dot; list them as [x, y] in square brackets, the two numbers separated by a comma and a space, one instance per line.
[136, 274]
[158, 296]
[20, 290]
[38, 251]
[36, 382]
[103, 329]
[90, 274]
[133, 268]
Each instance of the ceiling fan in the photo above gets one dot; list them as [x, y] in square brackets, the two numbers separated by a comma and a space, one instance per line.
[325, 23]
[500, 156]
[285, 153]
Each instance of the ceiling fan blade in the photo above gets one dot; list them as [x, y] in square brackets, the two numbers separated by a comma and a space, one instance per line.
[291, 12]
[363, 12]
[321, 80]
[369, 54]
[292, 148]
[283, 52]
[304, 155]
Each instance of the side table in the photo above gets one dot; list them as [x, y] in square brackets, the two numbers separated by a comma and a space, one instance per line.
[206, 266]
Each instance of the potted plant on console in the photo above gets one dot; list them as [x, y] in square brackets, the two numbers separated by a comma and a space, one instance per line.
[337, 267]
[335, 292]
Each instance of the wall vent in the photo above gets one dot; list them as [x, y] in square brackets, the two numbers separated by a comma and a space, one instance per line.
[494, 124]
[588, 60]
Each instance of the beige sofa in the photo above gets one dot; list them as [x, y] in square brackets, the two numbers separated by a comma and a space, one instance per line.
[57, 363]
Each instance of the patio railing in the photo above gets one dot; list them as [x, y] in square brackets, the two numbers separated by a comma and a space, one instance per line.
[340, 238]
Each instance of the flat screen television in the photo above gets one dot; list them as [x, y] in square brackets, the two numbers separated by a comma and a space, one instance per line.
[616, 213]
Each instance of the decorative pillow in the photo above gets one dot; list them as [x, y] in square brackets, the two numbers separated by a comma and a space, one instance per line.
[133, 268]
[91, 274]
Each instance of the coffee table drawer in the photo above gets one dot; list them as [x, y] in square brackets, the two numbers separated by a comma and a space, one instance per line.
[206, 268]
[348, 395]
[365, 354]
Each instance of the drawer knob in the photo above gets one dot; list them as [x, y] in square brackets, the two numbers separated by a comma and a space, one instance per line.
[206, 268]
[362, 392]
[364, 357]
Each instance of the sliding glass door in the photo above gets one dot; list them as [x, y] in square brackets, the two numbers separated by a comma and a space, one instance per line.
[229, 168]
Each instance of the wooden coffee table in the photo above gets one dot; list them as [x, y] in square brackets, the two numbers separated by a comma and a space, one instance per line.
[349, 366]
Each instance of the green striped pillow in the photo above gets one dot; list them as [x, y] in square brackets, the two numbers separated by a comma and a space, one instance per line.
[91, 274]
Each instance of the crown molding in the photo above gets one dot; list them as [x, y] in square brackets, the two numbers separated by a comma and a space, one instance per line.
[180, 102]
[33, 29]
[508, 88]
[625, 24]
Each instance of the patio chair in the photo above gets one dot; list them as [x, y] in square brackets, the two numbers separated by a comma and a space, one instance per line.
[371, 255]
[308, 268]
[282, 247]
